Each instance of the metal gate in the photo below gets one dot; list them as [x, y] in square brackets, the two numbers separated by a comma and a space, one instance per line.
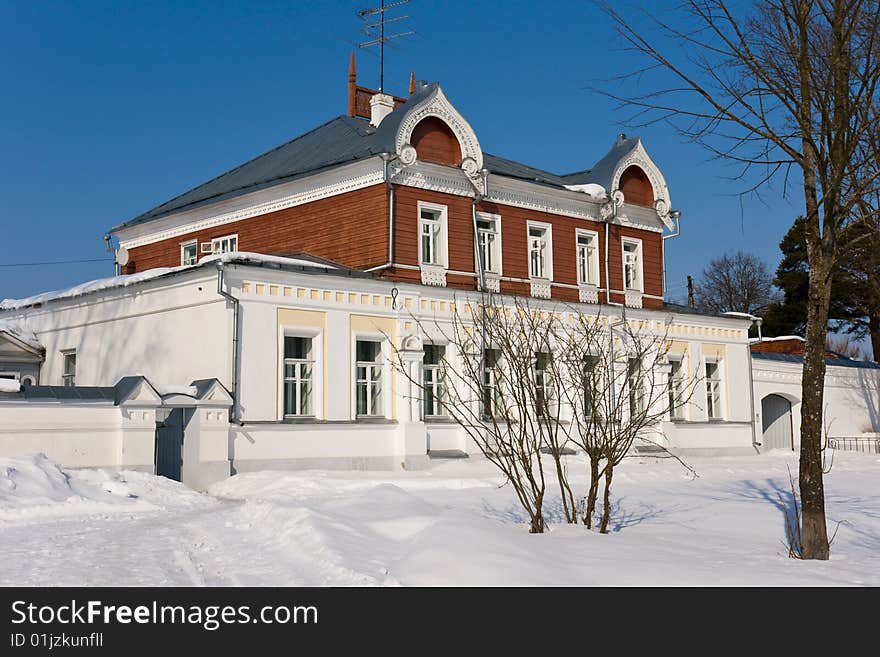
[169, 443]
[776, 418]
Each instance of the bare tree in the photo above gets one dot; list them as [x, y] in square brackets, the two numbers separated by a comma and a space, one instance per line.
[498, 379]
[779, 87]
[615, 374]
[738, 282]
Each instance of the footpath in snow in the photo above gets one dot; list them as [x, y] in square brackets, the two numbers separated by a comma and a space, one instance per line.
[454, 524]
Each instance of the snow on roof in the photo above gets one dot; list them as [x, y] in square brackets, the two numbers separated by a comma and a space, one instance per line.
[591, 189]
[9, 385]
[776, 339]
[171, 389]
[20, 333]
[150, 274]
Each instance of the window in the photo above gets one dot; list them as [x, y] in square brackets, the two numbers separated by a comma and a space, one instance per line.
[540, 264]
[189, 253]
[676, 388]
[587, 258]
[592, 404]
[543, 384]
[713, 390]
[636, 384]
[489, 242]
[432, 235]
[491, 395]
[434, 392]
[299, 365]
[368, 378]
[226, 244]
[632, 265]
[68, 368]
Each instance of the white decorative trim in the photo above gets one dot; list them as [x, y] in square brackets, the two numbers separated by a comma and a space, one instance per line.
[540, 288]
[434, 177]
[633, 299]
[492, 282]
[588, 294]
[436, 104]
[639, 157]
[358, 175]
[433, 275]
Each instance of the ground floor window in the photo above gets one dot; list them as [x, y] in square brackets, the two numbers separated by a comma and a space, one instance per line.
[713, 390]
[299, 365]
[433, 385]
[676, 388]
[635, 381]
[368, 378]
[543, 384]
[491, 393]
[68, 368]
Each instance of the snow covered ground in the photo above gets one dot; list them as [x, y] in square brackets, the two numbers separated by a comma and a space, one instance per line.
[451, 524]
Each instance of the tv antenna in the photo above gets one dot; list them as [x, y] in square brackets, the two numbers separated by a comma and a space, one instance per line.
[375, 19]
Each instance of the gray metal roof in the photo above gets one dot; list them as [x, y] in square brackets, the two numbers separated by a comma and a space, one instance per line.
[794, 358]
[602, 172]
[59, 393]
[347, 139]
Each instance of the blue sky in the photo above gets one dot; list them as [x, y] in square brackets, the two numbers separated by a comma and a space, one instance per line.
[110, 108]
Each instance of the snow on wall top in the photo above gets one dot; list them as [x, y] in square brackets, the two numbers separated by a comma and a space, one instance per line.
[19, 332]
[150, 274]
[9, 385]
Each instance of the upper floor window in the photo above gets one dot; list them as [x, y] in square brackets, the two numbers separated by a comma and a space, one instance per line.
[226, 244]
[299, 365]
[713, 390]
[68, 368]
[540, 251]
[432, 234]
[189, 252]
[632, 264]
[489, 242]
[368, 378]
[433, 385]
[587, 257]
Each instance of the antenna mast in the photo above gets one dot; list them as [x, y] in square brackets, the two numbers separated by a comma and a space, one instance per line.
[376, 31]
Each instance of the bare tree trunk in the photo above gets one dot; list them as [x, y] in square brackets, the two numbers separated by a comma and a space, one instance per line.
[537, 520]
[606, 510]
[813, 530]
[593, 492]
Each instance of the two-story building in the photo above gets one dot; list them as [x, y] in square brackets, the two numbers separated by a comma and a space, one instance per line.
[292, 277]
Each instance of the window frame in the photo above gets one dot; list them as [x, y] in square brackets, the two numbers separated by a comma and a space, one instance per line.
[548, 248]
[183, 247]
[640, 263]
[317, 401]
[225, 238]
[489, 381]
[68, 379]
[383, 362]
[719, 390]
[635, 396]
[442, 256]
[542, 380]
[437, 386]
[593, 264]
[675, 384]
[496, 245]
